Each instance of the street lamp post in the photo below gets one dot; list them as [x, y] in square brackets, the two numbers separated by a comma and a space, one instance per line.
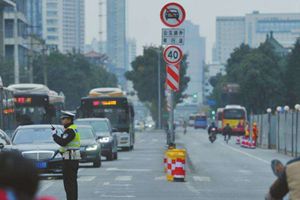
[286, 110]
[269, 111]
[297, 108]
[278, 109]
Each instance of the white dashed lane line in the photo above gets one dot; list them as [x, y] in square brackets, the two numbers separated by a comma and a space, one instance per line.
[123, 178]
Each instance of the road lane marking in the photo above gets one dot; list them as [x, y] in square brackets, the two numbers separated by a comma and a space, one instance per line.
[128, 170]
[86, 178]
[117, 196]
[46, 186]
[191, 188]
[154, 140]
[245, 153]
[123, 178]
[243, 171]
[202, 178]
[159, 178]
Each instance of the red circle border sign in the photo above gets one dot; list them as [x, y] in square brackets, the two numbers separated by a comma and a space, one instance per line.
[165, 8]
[166, 57]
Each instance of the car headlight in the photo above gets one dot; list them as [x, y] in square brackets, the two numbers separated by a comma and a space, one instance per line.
[104, 140]
[92, 147]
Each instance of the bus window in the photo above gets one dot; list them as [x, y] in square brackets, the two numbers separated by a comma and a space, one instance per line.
[234, 114]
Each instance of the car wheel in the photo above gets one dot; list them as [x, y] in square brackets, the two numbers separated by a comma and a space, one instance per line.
[110, 156]
[97, 163]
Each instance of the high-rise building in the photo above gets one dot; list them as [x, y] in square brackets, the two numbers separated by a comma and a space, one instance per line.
[34, 17]
[194, 48]
[73, 25]
[15, 44]
[131, 52]
[116, 32]
[3, 4]
[285, 27]
[231, 32]
[52, 15]
[63, 24]
[211, 70]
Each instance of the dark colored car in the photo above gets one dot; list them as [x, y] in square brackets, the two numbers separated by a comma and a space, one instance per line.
[5, 141]
[103, 130]
[90, 148]
[172, 14]
[35, 142]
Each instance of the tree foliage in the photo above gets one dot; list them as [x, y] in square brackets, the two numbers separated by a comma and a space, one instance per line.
[72, 74]
[258, 73]
[145, 78]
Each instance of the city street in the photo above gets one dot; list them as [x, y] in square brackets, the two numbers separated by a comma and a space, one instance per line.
[215, 171]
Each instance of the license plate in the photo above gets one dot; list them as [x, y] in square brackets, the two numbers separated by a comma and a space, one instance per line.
[41, 165]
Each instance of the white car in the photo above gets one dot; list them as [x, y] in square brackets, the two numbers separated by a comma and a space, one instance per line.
[4, 140]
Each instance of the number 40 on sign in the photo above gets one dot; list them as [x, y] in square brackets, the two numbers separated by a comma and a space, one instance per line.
[173, 54]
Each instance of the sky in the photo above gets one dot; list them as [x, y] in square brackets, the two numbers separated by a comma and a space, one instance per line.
[145, 26]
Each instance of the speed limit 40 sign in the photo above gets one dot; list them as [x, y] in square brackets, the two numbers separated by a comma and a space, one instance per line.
[173, 54]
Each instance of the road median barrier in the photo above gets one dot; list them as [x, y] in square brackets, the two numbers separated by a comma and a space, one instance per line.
[174, 164]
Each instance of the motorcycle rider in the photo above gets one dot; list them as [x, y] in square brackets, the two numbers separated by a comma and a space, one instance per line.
[287, 182]
[211, 126]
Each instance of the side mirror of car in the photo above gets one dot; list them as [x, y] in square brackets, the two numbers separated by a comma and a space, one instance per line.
[1, 145]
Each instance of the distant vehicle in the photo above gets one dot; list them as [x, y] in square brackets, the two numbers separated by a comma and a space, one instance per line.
[219, 119]
[7, 110]
[172, 13]
[35, 142]
[5, 141]
[139, 126]
[192, 120]
[104, 134]
[90, 148]
[236, 117]
[36, 104]
[113, 104]
[200, 121]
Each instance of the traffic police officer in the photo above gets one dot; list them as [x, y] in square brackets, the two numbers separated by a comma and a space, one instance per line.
[70, 151]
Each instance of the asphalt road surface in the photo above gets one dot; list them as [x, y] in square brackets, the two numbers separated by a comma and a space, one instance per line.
[215, 171]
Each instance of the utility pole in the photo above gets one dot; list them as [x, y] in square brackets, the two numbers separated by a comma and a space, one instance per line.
[159, 89]
[16, 47]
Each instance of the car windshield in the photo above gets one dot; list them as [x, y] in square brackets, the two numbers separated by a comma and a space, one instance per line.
[100, 127]
[34, 136]
[86, 133]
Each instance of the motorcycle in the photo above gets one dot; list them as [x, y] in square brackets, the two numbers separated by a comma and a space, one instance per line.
[212, 135]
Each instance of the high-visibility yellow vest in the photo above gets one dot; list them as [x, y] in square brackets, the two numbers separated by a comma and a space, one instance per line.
[75, 143]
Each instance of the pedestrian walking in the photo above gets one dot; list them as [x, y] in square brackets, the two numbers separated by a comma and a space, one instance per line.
[254, 133]
[70, 151]
[227, 131]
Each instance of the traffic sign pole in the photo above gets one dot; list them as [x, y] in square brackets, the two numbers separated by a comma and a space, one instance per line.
[172, 15]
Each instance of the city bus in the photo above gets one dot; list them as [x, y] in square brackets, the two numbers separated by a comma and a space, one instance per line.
[7, 110]
[36, 104]
[113, 104]
[219, 119]
[236, 117]
[200, 121]
[191, 120]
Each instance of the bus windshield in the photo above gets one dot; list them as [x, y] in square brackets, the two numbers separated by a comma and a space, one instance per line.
[32, 115]
[201, 118]
[118, 116]
[234, 114]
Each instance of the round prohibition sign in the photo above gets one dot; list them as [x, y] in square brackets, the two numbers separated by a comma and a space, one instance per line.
[172, 14]
[173, 54]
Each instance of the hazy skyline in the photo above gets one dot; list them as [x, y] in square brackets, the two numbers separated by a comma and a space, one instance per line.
[145, 26]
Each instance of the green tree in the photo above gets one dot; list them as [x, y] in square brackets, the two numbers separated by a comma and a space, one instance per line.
[292, 76]
[72, 74]
[145, 78]
[258, 73]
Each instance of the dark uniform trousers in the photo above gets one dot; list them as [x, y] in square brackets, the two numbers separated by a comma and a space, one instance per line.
[70, 169]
